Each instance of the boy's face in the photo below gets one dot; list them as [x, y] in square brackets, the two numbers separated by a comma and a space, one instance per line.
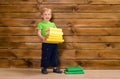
[46, 16]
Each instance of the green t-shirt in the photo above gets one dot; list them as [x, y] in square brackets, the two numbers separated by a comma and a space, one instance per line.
[44, 25]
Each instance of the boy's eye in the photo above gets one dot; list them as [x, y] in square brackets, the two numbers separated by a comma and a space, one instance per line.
[46, 14]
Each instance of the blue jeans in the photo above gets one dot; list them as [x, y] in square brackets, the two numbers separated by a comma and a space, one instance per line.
[49, 55]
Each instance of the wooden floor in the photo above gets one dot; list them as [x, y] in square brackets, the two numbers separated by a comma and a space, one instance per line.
[35, 74]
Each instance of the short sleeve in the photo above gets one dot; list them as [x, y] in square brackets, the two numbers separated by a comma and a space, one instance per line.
[39, 26]
[54, 25]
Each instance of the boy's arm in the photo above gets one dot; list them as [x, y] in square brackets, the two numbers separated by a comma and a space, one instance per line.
[40, 36]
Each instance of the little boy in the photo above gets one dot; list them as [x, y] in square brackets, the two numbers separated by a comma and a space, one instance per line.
[49, 51]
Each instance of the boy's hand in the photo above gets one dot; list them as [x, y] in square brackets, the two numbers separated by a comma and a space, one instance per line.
[43, 39]
[40, 36]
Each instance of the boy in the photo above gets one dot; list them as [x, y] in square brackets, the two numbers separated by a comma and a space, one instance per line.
[49, 51]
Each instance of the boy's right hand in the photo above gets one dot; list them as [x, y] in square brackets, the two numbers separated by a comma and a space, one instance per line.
[40, 36]
[42, 39]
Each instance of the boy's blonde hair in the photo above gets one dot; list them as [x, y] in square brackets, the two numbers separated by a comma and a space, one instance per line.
[45, 9]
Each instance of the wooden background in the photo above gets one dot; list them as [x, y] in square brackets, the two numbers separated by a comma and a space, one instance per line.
[91, 32]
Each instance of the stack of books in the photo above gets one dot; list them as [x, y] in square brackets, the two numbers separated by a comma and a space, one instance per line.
[54, 35]
[74, 70]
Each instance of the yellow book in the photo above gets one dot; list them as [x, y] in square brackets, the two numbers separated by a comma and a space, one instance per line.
[54, 29]
[54, 41]
[54, 35]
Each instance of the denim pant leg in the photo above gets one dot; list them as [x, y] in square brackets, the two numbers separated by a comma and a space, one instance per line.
[54, 56]
[45, 60]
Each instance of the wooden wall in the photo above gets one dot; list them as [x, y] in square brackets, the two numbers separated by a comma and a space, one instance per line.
[91, 32]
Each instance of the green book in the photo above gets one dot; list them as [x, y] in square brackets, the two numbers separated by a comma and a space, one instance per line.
[77, 72]
[73, 69]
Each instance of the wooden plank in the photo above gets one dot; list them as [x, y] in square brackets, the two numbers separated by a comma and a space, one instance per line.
[4, 63]
[63, 54]
[90, 54]
[97, 54]
[20, 15]
[98, 8]
[19, 39]
[19, 22]
[83, 8]
[65, 1]
[33, 54]
[104, 1]
[82, 46]
[99, 64]
[19, 8]
[36, 63]
[67, 54]
[18, 31]
[92, 64]
[64, 8]
[86, 15]
[63, 15]
[6, 53]
[27, 53]
[4, 39]
[87, 22]
[86, 64]
[66, 31]
[20, 53]
[93, 39]
[19, 73]
[90, 46]
[66, 63]
[21, 63]
[31, 61]
[72, 39]
[4, 45]
[84, 1]
[63, 23]
[91, 31]
[24, 39]
[26, 63]
[18, 45]
[18, 2]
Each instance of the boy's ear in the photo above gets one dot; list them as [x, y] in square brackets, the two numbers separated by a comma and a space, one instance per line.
[41, 15]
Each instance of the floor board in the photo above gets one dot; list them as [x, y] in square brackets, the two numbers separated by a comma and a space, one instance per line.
[35, 74]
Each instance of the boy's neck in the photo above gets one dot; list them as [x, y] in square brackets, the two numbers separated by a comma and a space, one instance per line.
[46, 21]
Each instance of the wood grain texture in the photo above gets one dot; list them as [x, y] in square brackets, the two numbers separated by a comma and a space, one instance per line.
[66, 31]
[34, 15]
[72, 39]
[91, 33]
[18, 2]
[83, 1]
[19, 8]
[5, 63]
[103, 1]
[71, 8]
[93, 64]
[62, 23]
[81, 46]
[19, 73]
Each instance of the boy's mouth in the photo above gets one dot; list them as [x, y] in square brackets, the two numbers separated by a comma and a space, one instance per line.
[47, 18]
